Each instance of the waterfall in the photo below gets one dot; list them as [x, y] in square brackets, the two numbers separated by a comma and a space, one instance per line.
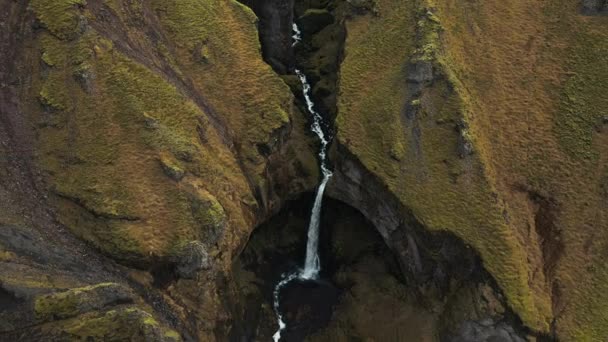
[312, 264]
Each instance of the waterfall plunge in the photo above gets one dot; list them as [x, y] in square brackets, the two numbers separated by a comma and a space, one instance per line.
[312, 264]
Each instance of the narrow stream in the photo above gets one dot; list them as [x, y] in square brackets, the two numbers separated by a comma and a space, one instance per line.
[312, 264]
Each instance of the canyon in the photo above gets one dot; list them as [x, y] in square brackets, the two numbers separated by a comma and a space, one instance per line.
[158, 170]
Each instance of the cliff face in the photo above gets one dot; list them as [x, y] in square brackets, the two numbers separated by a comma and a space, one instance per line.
[486, 120]
[141, 142]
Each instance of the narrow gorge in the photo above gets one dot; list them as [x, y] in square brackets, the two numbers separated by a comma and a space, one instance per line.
[303, 170]
[409, 260]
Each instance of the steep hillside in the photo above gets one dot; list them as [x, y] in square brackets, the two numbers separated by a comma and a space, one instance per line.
[487, 120]
[153, 131]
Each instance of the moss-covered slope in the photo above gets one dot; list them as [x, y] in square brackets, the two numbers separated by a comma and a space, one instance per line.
[155, 122]
[151, 130]
[486, 119]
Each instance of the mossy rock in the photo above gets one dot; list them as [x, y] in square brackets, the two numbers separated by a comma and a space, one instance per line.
[61, 17]
[210, 216]
[122, 324]
[63, 305]
[192, 258]
[171, 167]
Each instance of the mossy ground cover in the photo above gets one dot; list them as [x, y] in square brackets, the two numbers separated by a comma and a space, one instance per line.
[508, 72]
[107, 120]
[67, 304]
[535, 94]
[58, 15]
[528, 79]
[220, 51]
[120, 324]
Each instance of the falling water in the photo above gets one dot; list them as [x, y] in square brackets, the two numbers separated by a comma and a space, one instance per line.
[312, 264]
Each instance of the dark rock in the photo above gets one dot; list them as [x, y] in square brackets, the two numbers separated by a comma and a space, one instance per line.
[420, 72]
[275, 28]
[84, 77]
[355, 185]
[27, 242]
[594, 7]
[309, 303]
[363, 6]
[314, 20]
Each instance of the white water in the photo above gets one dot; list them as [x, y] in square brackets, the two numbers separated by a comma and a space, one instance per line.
[276, 294]
[297, 35]
[312, 264]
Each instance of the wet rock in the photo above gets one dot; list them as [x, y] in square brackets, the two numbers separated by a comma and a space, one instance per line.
[193, 258]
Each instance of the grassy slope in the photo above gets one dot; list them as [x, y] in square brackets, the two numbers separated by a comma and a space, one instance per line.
[537, 72]
[115, 111]
[528, 86]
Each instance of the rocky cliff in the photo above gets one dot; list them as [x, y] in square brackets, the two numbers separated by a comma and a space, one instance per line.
[142, 142]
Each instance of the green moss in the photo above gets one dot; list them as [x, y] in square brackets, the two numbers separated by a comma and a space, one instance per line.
[124, 324]
[172, 335]
[222, 33]
[584, 102]
[61, 17]
[109, 117]
[171, 167]
[53, 95]
[444, 191]
[95, 166]
[209, 214]
[149, 320]
[47, 307]
[428, 29]
[73, 302]
[6, 255]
